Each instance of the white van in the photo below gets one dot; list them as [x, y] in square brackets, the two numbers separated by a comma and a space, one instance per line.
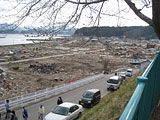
[113, 83]
[129, 72]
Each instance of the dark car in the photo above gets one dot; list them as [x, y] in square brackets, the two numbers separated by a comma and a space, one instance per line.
[90, 98]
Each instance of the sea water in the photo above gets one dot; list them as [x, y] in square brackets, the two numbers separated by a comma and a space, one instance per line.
[13, 39]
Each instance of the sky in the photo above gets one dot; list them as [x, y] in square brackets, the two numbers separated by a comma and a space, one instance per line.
[124, 18]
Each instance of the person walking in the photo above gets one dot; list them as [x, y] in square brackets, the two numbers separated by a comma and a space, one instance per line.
[7, 109]
[13, 116]
[8, 115]
[59, 101]
[25, 113]
[41, 112]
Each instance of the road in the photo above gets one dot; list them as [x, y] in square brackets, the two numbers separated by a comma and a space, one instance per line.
[70, 96]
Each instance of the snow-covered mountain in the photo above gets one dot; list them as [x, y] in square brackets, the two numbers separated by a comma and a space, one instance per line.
[10, 28]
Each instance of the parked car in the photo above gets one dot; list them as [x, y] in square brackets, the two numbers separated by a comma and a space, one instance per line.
[65, 111]
[90, 98]
[122, 75]
[129, 72]
[113, 82]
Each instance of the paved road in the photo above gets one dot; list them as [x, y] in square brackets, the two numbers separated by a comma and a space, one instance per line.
[71, 96]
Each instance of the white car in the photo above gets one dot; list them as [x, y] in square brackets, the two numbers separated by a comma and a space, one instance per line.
[113, 82]
[65, 111]
[129, 72]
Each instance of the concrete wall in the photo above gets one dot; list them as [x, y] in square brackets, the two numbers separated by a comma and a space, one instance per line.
[144, 65]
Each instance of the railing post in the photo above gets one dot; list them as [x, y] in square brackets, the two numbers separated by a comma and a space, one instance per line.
[157, 52]
[141, 79]
[131, 111]
[141, 109]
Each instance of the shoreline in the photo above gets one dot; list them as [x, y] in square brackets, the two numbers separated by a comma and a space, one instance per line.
[15, 39]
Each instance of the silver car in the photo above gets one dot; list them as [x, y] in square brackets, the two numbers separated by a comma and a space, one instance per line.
[65, 111]
[129, 72]
[122, 75]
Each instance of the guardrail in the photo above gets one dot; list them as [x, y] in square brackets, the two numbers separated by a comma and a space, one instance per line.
[141, 104]
[38, 95]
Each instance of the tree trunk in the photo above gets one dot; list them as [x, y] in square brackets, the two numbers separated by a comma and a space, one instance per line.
[156, 16]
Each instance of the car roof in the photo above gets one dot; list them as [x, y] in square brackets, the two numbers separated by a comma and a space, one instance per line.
[93, 90]
[129, 69]
[114, 77]
[67, 104]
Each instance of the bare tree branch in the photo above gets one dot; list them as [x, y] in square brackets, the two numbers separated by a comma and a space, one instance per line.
[30, 8]
[98, 15]
[86, 2]
[138, 13]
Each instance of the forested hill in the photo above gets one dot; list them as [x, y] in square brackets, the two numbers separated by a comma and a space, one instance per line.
[130, 32]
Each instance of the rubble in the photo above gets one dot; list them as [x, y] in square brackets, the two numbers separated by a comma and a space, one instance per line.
[68, 61]
[44, 68]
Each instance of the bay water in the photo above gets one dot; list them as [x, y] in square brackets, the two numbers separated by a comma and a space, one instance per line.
[13, 39]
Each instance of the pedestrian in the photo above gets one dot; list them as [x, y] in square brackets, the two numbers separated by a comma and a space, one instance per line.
[59, 101]
[7, 105]
[41, 112]
[7, 108]
[25, 113]
[13, 116]
[8, 115]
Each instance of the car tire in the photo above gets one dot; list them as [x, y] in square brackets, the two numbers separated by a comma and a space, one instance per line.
[91, 106]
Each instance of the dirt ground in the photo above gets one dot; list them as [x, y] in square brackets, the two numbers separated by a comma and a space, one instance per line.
[63, 62]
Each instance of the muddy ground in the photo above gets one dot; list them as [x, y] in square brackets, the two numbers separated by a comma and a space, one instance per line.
[65, 62]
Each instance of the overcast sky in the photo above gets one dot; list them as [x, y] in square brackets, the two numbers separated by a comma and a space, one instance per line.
[129, 18]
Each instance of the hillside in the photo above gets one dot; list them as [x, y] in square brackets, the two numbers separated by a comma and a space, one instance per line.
[134, 32]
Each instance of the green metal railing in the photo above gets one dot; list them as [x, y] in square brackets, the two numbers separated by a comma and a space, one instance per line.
[142, 101]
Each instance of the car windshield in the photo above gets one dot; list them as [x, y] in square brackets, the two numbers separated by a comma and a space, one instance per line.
[122, 73]
[129, 71]
[113, 81]
[88, 94]
[61, 110]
